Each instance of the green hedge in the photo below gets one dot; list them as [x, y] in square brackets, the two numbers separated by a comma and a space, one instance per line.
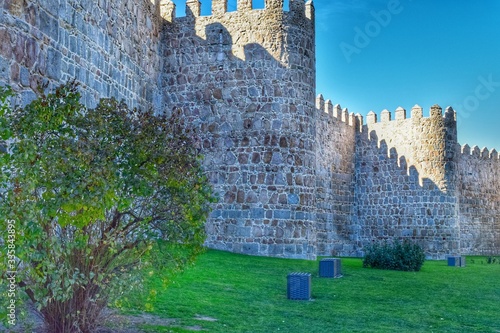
[405, 256]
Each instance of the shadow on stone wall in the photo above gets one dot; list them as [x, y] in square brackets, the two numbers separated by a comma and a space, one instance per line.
[257, 123]
[334, 172]
[479, 200]
[255, 120]
[392, 201]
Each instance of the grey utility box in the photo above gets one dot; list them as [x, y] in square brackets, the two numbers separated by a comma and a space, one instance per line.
[299, 286]
[457, 261]
[330, 268]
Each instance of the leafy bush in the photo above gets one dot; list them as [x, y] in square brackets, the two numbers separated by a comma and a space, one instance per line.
[492, 260]
[398, 256]
[91, 193]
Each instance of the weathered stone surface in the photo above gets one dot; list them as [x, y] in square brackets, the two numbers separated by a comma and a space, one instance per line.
[297, 176]
[61, 40]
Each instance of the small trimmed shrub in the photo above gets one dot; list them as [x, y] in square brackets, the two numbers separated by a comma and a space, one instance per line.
[492, 260]
[405, 256]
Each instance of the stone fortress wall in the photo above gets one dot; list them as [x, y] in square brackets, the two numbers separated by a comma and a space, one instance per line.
[479, 200]
[111, 47]
[404, 182]
[335, 171]
[246, 80]
[296, 175]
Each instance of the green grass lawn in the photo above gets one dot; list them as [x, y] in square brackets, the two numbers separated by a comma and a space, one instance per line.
[248, 294]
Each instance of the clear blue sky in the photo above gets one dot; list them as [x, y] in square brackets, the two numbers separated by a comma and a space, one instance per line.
[381, 54]
[426, 52]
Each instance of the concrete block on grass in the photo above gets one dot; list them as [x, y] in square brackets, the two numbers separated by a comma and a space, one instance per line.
[456, 261]
[330, 268]
[299, 286]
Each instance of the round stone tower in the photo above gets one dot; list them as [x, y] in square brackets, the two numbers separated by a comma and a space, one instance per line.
[246, 80]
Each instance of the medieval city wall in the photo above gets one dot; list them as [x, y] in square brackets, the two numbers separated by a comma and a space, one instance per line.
[404, 181]
[110, 47]
[246, 80]
[296, 176]
[479, 198]
[335, 148]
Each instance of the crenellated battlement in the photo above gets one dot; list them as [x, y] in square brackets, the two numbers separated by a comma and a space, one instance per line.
[297, 175]
[287, 36]
[483, 153]
[386, 116]
[400, 114]
[337, 112]
[296, 9]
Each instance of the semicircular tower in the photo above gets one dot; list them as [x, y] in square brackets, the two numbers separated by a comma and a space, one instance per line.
[246, 80]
